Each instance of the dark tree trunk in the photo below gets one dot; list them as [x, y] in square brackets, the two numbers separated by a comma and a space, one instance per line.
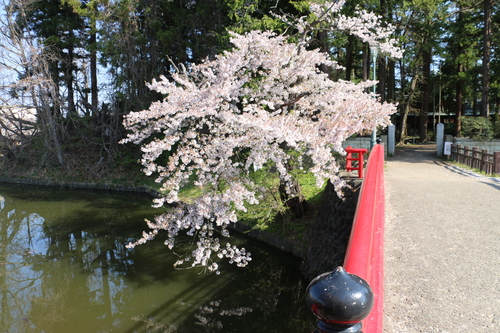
[292, 197]
[70, 84]
[458, 105]
[391, 80]
[382, 61]
[426, 87]
[349, 60]
[322, 37]
[381, 77]
[93, 74]
[405, 105]
[366, 62]
[485, 105]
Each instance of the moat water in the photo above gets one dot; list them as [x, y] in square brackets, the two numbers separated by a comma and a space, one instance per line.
[64, 268]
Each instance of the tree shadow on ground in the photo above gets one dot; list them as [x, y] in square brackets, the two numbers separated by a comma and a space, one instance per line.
[425, 153]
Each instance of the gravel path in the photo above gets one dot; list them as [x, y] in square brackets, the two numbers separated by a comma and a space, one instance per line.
[442, 246]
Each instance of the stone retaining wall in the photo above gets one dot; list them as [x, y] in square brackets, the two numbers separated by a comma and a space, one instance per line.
[491, 145]
[361, 142]
[331, 231]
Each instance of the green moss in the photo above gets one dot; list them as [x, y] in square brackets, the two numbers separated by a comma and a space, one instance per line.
[271, 215]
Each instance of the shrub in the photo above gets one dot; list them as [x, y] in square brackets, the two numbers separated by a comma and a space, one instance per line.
[477, 128]
[496, 124]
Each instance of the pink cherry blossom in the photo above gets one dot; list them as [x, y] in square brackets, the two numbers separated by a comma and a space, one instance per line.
[262, 94]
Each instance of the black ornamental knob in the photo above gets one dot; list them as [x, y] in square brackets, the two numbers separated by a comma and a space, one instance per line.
[340, 301]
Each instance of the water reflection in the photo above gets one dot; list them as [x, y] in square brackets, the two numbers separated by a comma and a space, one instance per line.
[64, 268]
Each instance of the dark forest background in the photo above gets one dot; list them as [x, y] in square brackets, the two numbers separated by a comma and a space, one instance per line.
[71, 69]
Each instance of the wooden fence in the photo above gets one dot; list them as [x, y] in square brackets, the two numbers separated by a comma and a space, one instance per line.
[475, 158]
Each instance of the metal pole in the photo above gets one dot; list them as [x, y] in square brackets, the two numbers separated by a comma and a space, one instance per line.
[439, 105]
[374, 52]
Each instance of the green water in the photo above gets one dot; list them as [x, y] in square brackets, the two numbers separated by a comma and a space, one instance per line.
[64, 268]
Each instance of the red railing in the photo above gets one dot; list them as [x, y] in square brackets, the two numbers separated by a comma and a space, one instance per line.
[364, 256]
[350, 158]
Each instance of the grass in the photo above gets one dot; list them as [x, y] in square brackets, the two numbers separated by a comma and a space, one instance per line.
[270, 214]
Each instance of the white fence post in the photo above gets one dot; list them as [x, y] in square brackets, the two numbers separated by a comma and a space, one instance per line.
[391, 139]
[440, 139]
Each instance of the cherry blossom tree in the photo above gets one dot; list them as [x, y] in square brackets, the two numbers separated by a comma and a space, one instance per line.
[249, 107]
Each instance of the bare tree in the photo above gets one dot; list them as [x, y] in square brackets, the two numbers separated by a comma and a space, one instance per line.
[25, 81]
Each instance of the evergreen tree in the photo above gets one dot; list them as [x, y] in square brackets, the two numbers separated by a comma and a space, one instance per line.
[142, 39]
[423, 28]
[59, 28]
[461, 57]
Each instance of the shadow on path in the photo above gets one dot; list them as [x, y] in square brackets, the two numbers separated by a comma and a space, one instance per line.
[415, 153]
[426, 153]
[441, 247]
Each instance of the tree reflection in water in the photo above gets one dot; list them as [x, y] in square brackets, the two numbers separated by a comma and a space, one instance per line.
[64, 268]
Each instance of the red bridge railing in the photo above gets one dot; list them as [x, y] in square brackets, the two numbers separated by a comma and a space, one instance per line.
[351, 297]
[359, 159]
[365, 252]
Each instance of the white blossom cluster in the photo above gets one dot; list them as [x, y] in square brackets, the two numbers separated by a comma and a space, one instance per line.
[367, 26]
[222, 119]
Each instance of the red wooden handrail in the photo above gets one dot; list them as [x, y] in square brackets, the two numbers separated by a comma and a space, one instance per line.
[364, 256]
[360, 159]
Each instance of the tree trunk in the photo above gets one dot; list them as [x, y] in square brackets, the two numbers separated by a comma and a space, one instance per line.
[381, 76]
[485, 105]
[349, 60]
[391, 63]
[322, 37]
[290, 191]
[366, 62]
[458, 105]
[426, 87]
[292, 197]
[93, 73]
[50, 124]
[391, 80]
[382, 61]
[70, 80]
[405, 105]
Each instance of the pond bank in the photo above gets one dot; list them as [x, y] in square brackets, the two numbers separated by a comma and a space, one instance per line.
[76, 185]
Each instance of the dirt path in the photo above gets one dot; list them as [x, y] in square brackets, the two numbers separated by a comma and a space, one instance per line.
[442, 246]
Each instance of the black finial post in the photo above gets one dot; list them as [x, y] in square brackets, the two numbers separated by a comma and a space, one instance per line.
[340, 301]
